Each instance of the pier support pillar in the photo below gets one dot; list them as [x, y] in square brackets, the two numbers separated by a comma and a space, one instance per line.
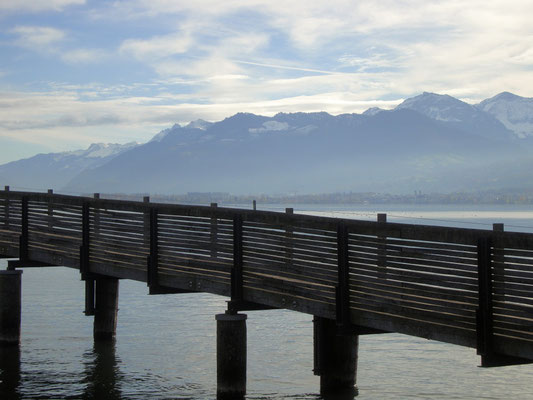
[335, 359]
[106, 309]
[10, 307]
[231, 356]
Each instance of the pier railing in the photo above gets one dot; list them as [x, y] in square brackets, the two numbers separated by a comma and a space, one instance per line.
[464, 286]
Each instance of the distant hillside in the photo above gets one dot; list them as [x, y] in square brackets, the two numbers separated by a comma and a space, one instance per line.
[433, 143]
[54, 170]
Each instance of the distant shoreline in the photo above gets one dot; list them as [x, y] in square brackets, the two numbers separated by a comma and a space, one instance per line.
[511, 197]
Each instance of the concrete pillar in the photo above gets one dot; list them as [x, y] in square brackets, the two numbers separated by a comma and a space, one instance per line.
[105, 313]
[10, 307]
[335, 359]
[231, 356]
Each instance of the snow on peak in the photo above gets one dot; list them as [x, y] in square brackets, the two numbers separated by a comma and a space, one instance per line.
[441, 107]
[270, 126]
[95, 151]
[515, 112]
[199, 124]
[101, 150]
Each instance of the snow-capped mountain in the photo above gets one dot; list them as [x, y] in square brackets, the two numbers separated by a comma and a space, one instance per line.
[390, 151]
[463, 116]
[96, 151]
[54, 170]
[515, 112]
[430, 142]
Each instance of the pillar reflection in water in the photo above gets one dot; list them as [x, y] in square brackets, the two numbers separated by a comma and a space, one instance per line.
[9, 372]
[103, 375]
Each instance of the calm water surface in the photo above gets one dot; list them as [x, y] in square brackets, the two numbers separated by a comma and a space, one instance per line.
[165, 346]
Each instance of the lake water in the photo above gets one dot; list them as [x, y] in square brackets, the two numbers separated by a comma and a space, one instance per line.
[165, 346]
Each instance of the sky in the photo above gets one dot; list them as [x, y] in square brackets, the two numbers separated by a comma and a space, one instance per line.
[76, 72]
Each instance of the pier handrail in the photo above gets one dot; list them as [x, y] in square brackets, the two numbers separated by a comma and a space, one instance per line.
[470, 287]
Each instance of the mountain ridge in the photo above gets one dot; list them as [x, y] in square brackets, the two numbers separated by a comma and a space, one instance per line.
[428, 142]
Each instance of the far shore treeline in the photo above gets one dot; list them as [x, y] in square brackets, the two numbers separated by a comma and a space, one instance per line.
[508, 196]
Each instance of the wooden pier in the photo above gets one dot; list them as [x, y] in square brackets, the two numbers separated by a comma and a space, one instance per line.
[468, 287]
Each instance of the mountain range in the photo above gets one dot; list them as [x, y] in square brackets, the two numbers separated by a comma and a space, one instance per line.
[430, 142]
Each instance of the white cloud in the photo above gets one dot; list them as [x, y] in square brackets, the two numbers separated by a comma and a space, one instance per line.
[157, 47]
[83, 56]
[37, 37]
[37, 5]
[48, 40]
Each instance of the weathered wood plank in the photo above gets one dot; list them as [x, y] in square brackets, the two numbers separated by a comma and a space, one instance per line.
[390, 307]
[450, 294]
[408, 276]
[421, 270]
[411, 295]
[171, 279]
[435, 307]
[282, 245]
[281, 256]
[374, 241]
[291, 272]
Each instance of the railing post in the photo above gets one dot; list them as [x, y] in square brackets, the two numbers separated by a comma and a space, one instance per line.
[484, 311]
[153, 259]
[343, 287]
[382, 249]
[96, 217]
[214, 233]
[236, 272]
[85, 240]
[289, 237]
[146, 236]
[6, 205]
[24, 235]
[85, 260]
[498, 259]
[50, 210]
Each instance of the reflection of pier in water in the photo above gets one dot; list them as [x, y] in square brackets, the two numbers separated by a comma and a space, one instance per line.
[463, 286]
[102, 372]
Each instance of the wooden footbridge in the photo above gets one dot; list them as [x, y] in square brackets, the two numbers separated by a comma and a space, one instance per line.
[463, 286]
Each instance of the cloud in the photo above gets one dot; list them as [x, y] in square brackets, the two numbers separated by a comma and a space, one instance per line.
[83, 56]
[37, 5]
[37, 37]
[157, 47]
[48, 40]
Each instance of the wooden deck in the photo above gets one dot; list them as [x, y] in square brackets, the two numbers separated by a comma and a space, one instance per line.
[463, 286]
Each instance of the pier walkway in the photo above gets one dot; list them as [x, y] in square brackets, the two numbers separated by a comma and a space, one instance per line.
[468, 287]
